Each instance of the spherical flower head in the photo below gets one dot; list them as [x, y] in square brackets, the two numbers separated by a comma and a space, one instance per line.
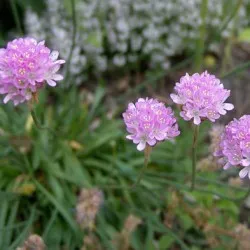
[202, 96]
[149, 121]
[234, 147]
[25, 66]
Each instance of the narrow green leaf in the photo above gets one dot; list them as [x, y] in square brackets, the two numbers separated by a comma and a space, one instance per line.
[22, 236]
[60, 207]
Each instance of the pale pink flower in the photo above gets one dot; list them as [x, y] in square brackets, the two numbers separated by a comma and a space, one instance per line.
[25, 66]
[202, 96]
[149, 121]
[234, 147]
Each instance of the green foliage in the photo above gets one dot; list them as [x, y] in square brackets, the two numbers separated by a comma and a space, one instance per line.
[41, 173]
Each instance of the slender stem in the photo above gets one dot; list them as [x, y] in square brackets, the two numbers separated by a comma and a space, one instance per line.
[36, 121]
[201, 40]
[38, 124]
[236, 70]
[16, 16]
[74, 33]
[147, 152]
[227, 57]
[232, 15]
[194, 147]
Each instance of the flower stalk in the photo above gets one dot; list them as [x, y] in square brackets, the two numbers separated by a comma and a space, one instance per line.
[147, 152]
[38, 123]
[16, 16]
[36, 120]
[194, 155]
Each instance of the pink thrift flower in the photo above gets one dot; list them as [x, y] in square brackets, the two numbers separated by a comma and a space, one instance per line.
[202, 96]
[234, 147]
[149, 121]
[25, 67]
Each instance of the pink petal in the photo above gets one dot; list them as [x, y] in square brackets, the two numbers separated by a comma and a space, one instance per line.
[16, 102]
[222, 111]
[243, 173]
[228, 106]
[151, 142]
[245, 162]
[176, 99]
[160, 136]
[51, 83]
[130, 137]
[227, 166]
[55, 68]
[197, 120]
[7, 98]
[141, 146]
[54, 55]
[57, 77]
[40, 43]
[60, 61]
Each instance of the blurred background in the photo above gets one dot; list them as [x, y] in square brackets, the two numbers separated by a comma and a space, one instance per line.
[73, 191]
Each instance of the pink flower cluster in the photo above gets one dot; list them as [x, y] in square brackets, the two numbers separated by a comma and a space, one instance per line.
[25, 66]
[234, 147]
[201, 96]
[149, 121]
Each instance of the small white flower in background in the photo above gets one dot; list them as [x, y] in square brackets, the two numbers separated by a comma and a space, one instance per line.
[133, 29]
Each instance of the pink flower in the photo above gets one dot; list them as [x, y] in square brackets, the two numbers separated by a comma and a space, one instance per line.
[25, 66]
[234, 147]
[202, 96]
[149, 121]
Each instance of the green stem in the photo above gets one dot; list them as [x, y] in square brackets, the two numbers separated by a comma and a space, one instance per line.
[36, 121]
[201, 40]
[236, 70]
[16, 16]
[232, 15]
[38, 124]
[194, 147]
[74, 33]
[227, 57]
[146, 160]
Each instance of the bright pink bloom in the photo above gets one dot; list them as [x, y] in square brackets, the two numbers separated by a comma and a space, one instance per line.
[234, 147]
[149, 121]
[202, 96]
[25, 66]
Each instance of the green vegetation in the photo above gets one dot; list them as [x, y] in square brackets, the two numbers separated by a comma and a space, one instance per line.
[42, 172]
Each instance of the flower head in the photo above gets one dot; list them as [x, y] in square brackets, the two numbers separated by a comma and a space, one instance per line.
[33, 242]
[234, 147]
[149, 121]
[88, 205]
[202, 96]
[25, 66]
